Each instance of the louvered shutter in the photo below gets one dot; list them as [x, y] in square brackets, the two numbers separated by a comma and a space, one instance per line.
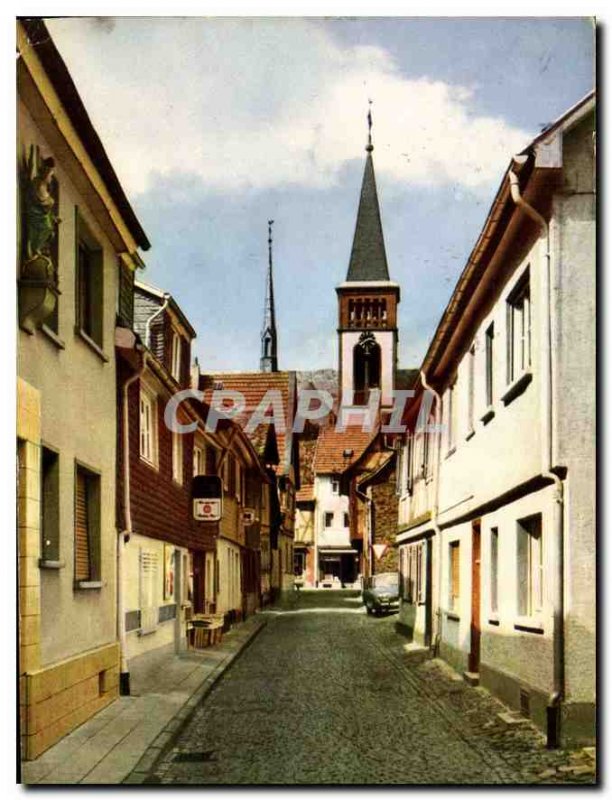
[81, 530]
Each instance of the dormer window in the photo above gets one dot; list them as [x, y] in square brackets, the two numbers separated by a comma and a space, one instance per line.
[175, 368]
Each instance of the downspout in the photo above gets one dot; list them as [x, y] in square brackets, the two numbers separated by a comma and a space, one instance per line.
[553, 710]
[368, 502]
[434, 511]
[124, 535]
[159, 311]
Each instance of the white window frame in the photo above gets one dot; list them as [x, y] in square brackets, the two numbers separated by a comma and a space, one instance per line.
[494, 571]
[148, 427]
[489, 364]
[530, 605]
[454, 601]
[199, 459]
[470, 388]
[177, 457]
[335, 486]
[518, 312]
[175, 363]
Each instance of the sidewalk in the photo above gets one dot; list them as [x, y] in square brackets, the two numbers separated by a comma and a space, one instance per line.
[125, 738]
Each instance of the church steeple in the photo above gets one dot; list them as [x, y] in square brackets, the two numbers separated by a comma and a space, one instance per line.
[269, 361]
[368, 257]
[367, 304]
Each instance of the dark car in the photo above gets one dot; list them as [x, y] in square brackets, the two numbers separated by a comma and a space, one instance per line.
[381, 592]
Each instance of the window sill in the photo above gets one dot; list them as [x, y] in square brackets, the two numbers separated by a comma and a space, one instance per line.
[494, 621]
[90, 343]
[517, 388]
[44, 563]
[469, 434]
[149, 464]
[452, 450]
[452, 615]
[88, 585]
[53, 337]
[148, 632]
[488, 415]
[529, 625]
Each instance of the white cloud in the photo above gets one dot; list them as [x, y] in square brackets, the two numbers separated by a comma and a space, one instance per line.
[262, 103]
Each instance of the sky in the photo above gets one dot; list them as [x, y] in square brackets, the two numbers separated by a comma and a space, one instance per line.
[215, 125]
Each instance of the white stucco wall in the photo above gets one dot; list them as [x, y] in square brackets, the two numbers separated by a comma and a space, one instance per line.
[338, 505]
[78, 405]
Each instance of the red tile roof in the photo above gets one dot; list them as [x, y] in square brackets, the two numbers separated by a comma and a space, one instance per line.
[253, 386]
[332, 444]
[305, 494]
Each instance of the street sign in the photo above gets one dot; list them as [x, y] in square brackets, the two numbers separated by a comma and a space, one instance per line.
[379, 550]
[207, 496]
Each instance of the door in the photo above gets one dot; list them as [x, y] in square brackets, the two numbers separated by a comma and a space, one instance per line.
[198, 581]
[474, 660]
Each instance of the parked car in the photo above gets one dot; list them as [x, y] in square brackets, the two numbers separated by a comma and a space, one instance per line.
[381, 592]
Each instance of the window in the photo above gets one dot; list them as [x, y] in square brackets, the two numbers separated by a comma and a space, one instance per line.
[299, 563]
[493, 575]
[346, 519]
[86, 526]
[519, 330]
[199, 460]
[529, 565]
[149, 591]
[412, 573]
[335, 486]
[148, 428]
[239, 487]
[451, 425]
[175, 368]
[89, 279]
[471, 363]
[49, 507]
[453, 576]
[177, 457]
[329, 519]
[489, 336]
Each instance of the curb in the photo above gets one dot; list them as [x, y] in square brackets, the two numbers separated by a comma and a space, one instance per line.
[162, 742]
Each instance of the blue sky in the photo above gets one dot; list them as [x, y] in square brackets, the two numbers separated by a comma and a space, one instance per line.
[217, 125]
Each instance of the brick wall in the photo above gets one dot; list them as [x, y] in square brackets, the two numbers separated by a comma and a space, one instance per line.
[385, 517]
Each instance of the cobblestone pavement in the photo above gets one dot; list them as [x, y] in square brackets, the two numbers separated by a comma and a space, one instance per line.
[328, 695]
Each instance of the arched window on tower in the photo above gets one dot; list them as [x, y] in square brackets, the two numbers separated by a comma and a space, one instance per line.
[366, 367]
[267, 343]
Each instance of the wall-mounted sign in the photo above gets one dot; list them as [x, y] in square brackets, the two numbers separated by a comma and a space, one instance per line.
[207, 497]
[207, 510]
[248, 516]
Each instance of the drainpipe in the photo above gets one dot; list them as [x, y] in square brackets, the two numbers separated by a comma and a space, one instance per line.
[124, 536]
[159, 311]
[434, 514]
[553, 710]
[368, 501]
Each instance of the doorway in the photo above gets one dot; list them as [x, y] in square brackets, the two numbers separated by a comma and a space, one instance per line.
[474, 659]
[199, 583]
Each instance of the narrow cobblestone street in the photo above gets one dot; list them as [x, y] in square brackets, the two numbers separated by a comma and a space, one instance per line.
[327, 695]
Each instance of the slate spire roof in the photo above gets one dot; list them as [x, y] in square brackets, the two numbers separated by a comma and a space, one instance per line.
[269, 359]
[368, 257]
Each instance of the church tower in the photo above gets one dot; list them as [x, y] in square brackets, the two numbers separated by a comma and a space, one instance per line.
[269, 361]
[367, 304]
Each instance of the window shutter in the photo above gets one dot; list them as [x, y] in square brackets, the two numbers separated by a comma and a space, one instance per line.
[81, 530]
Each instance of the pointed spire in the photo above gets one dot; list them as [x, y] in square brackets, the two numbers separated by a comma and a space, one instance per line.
[368, 257]
[268, 361]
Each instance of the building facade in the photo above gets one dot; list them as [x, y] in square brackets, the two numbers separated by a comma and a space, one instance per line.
[78, 241]
[497, 508]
